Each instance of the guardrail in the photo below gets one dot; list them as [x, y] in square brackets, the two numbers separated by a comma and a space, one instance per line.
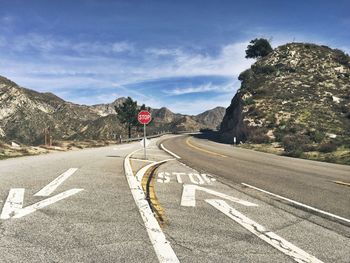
[148, 137]
[156, 135]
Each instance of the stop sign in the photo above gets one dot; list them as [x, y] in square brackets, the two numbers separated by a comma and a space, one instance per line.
[144, 117]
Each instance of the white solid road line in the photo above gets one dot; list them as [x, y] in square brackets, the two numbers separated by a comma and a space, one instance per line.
[299, 204]
[170, 152]
[189, 196]
[13, 203]
[161, 245]
[13, 206]
[271, 238]
[47, 190]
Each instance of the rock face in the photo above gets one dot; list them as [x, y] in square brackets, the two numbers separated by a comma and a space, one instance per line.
[109, 108]
[25, 114]
[298, 92]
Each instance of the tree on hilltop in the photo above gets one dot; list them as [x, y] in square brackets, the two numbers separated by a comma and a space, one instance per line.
[258, 48]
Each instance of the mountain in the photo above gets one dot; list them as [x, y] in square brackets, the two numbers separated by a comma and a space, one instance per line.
[211, 118]
[298, 96]
[25, 114]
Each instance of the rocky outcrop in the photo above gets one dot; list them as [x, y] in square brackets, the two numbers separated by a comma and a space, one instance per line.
[298, 92]
[109, 108]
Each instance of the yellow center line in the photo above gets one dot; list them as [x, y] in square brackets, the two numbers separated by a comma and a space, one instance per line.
[157, 208]
[201, 149]
[342, 183]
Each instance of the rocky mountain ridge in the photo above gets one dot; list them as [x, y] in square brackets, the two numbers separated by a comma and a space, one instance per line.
[297, 96]
[25, 114]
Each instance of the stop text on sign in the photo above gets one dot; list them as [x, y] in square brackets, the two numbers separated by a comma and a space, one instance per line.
[144, 117]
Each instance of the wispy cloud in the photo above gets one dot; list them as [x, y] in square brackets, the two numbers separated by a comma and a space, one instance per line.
[107, 69]
[54, 45]
[66, 58]
[230, 87]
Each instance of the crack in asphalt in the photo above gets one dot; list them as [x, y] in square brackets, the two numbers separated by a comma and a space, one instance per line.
[177, 243]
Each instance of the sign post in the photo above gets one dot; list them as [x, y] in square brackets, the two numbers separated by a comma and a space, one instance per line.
[144, 117]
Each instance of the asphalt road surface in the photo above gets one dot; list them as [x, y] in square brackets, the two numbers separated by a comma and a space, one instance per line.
[99, 224]
[309, 182]
[184, 203]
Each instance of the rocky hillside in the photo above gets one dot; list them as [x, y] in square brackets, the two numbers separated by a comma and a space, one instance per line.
[212, 118]
[25, 114]
[297, 96]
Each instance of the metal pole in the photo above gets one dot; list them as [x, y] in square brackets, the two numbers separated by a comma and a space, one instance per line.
[144, 140]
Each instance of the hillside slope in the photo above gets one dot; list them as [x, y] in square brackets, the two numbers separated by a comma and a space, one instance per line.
[298, 96]
[25, 114]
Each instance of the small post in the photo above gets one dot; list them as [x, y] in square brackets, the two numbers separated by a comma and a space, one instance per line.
[234, 140]
[45, 135]
[144, 140]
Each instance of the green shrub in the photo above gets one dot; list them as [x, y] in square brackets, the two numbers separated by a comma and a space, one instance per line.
[257, 135]
[295, 144]
[316, 136]
[341, 57]
[245, 75]
[267, 69]
[248, 101]
[327, 147]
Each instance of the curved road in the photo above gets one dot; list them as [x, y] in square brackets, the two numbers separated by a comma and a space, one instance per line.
[308, 182]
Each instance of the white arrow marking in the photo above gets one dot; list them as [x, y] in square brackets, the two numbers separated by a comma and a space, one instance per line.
[271, 238]
[13, 203]
[47, 190]
[13, 206]
[189, 196]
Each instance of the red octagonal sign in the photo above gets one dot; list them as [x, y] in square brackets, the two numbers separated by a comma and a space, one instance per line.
[144, 117]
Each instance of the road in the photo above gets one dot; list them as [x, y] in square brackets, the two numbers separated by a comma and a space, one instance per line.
[308, 182]
[184, 203]
[99, 224]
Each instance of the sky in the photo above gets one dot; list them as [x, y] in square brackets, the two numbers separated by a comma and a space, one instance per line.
[185, 55]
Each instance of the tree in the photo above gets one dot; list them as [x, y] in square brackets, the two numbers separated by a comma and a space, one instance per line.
[127, 114]
[258, 48]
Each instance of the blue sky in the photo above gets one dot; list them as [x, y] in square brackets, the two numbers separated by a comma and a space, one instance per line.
[185, 55]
